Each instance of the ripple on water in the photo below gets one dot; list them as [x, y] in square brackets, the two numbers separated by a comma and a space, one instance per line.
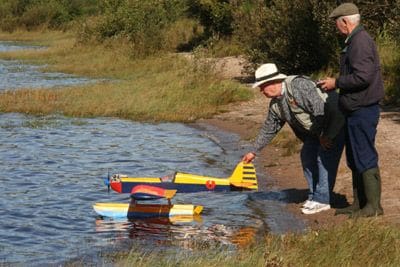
[15, 74]
[53, 174]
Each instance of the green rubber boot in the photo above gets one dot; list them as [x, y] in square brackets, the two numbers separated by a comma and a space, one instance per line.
[352, 208]
[372, 187]
[358, 196]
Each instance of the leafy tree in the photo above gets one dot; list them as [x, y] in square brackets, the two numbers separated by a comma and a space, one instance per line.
[214, 15]
[286, 32]
[31, 14]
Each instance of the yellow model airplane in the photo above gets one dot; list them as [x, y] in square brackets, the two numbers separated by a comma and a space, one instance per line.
[243, 178]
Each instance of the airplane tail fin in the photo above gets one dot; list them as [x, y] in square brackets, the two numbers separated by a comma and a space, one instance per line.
[244, 176]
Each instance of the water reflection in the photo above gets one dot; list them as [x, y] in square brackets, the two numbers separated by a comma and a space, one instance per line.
[52, 173]
[225, 220]
[188, 233]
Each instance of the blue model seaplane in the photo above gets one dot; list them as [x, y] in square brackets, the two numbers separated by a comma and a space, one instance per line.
[134, 210]
[243, 178]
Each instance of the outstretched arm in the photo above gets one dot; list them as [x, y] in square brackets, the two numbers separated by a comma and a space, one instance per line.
[268, 131]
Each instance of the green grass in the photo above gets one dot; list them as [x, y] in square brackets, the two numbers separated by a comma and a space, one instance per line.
[354, 243]
[389, 52]
[214, 257]
[163, 88]
[368, 242]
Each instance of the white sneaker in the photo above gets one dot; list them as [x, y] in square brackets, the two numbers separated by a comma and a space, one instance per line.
[315, 207]
[307, 203]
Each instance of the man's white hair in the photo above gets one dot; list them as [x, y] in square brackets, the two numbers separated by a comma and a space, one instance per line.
[353, 19]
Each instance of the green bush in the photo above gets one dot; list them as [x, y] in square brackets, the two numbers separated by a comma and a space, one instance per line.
[287, 32]
[54, 14]
[298, 35]
[145, 25]
[380, 14]
[47, 13]
[295, 34]
[214, 15]
[182, 35]
[389, 51]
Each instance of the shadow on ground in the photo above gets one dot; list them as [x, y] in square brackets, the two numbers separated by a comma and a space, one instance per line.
[298, 196]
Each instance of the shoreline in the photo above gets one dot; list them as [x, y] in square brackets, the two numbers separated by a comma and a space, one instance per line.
[243, 118]
[286, 174]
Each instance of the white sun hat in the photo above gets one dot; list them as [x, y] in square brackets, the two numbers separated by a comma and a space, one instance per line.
[266, 73]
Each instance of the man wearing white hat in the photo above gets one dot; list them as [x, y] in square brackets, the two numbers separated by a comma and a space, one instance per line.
[315, 119]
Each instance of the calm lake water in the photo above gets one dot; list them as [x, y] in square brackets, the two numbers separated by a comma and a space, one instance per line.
[15, 75]
[6, 46]
[52, 171]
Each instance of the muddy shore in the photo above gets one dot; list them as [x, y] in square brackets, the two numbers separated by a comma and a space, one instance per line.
[285, 172]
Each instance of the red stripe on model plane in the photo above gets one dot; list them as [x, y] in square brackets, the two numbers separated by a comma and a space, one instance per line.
[148, 189]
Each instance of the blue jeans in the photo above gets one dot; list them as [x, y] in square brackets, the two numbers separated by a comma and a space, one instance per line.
[320, 167]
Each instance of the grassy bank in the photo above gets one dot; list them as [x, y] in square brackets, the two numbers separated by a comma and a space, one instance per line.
[160, 88]
[354, 243]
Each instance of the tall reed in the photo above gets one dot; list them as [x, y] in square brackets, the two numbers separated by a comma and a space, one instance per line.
[166, 87]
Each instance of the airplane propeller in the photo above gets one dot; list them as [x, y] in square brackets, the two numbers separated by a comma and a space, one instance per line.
[107, 181]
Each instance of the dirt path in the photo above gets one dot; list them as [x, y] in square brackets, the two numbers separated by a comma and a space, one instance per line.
[245, 120]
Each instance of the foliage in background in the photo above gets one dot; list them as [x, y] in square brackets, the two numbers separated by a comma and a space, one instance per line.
[295, 34]
[216, 18]
[33, 14]
[300, 38]
[298, 35]
[214, 15]
[379, 15]
[147, 26]
[285, 32]
[389, 52]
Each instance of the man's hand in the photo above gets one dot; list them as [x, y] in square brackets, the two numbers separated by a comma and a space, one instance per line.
[249, 157]
[325, 142]
[327, 84]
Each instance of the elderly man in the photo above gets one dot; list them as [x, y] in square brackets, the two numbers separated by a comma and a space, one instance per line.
[316, 121]
[361, 88]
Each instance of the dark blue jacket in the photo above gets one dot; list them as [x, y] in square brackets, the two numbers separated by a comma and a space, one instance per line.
[360, 80]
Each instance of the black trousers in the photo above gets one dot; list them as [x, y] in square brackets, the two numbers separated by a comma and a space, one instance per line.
[360, 138]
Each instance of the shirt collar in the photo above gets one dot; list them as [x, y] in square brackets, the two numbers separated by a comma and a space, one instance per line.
[353, 32]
